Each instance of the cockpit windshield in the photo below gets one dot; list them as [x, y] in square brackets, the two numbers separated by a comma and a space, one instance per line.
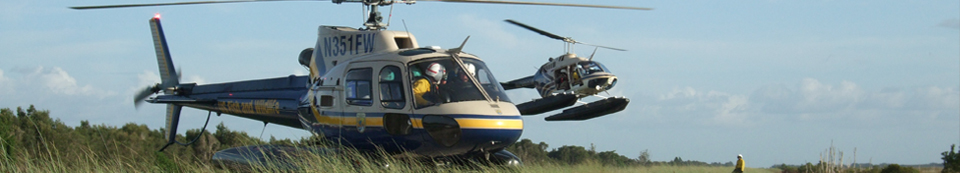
[590, 67]
[441, 80]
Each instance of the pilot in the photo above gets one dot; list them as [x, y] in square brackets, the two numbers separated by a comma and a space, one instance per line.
[470, 70]
[459, 89]
[433, 76]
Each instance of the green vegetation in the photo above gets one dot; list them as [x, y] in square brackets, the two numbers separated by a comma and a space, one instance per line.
[532, 153]
[951, 160]
[30, 141]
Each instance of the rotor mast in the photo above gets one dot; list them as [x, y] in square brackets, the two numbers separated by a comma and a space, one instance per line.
[375, 20]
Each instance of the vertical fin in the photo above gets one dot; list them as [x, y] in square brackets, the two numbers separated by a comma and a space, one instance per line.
[169, 78]
[173, 119]
[168, 74]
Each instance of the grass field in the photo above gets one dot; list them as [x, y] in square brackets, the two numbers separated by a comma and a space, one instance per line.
[313, 163]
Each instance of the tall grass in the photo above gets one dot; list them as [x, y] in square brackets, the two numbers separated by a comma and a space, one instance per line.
[597, 167]
[305, 160]
[301, 159]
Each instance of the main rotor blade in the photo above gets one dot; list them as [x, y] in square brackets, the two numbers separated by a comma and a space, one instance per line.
[541, 32]
[171, 3]
[543, 3]
[605, 47]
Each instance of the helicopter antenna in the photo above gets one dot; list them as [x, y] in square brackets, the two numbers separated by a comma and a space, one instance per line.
[594, 52]
[405, 26]
[363, 10]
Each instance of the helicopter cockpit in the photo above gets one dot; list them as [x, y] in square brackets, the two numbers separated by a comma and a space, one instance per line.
[442, 80]
[590, 67]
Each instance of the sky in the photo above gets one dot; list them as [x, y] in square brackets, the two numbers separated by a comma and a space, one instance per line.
[776, 81]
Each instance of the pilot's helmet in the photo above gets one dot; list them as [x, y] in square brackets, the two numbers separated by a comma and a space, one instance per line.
[470, 68]
[436, 71]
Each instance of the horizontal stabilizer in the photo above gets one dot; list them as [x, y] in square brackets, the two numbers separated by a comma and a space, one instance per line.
[179, 99]
[526, 82]
[547, 104]
[591, 110]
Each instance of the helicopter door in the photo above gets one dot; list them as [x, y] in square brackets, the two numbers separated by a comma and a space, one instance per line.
[392, 100]
[358, 96]
[325, 102]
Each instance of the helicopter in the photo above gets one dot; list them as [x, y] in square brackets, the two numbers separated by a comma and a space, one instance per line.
[562, 81]
[368, 88]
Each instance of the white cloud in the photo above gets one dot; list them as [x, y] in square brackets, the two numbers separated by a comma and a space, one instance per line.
[194, 79]
[710, 107]
[148, 78]
[5, 84]
[56, 81]
[300, 71]
[812, 99]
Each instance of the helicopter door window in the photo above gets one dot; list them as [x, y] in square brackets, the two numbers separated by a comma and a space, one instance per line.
[358, 90]
[482, 76]
[391, 88]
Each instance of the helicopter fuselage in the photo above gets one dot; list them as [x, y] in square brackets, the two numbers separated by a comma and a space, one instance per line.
[360, 94]
[367, 102]
[569, 73]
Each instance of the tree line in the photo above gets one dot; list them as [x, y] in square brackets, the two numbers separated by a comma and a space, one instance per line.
[537, 153]
[30, 136]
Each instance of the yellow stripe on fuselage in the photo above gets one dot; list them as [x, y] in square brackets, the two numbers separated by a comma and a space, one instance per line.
[474, 123]
[466, 123]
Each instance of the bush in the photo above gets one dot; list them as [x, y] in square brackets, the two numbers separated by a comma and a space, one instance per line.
[951, 160]
[895, 168]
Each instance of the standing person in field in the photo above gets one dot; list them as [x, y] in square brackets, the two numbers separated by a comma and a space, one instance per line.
[739, 167]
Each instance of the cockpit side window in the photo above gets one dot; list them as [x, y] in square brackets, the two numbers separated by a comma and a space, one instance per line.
[358, 89]
[391, 88]
[590, 67]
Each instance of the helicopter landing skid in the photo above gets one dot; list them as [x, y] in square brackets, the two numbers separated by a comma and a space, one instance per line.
[547, 104]
[591, 110]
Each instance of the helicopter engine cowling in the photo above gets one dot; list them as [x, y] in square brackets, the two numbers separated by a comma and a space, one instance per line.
[305, 57]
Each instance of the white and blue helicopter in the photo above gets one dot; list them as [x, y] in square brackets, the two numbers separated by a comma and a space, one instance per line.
[377, 90]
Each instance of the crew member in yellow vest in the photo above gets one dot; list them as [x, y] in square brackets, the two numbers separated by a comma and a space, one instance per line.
[421, 86]
[739, 167]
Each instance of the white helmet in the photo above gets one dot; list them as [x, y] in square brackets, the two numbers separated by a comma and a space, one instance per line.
[740, 155]
[470, 68]
[436, 71]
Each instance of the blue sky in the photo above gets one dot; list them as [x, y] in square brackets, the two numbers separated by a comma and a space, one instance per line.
[776, 81]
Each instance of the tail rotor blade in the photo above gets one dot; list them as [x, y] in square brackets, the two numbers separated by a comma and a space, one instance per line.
[143, 94]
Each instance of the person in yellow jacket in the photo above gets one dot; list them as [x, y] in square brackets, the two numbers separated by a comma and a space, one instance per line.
[422, 85]
[739, 167]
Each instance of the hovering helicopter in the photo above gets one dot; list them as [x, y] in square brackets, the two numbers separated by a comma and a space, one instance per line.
[369, 88]
[565, 79]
